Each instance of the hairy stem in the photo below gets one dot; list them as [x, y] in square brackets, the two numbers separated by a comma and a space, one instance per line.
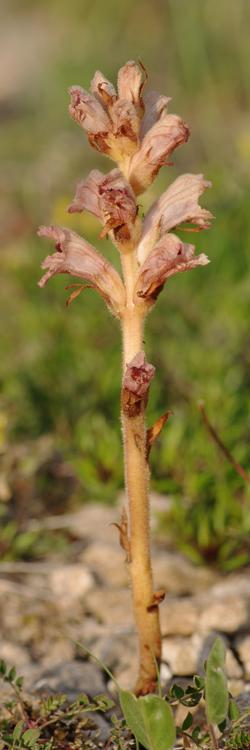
[136, 477]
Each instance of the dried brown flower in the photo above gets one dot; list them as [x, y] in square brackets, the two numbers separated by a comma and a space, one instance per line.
[137, 379]
[111, 199]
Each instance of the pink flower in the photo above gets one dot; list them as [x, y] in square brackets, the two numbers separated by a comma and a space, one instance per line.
[87, 195]
[130, 82]
[169, 256]
[135, 130]
[111, 120]
[111, 199]
[155, 105]
[132, 130]
[160, 254]
[156, 147]
[77, 257]
[178, 204]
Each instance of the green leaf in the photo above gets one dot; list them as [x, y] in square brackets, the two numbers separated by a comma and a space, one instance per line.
[131, 712]
[196, 733]
[103, 702]
[150, 719]
[199, 682]
[11, 675]
[19, 682]
[176, 691]
[18, 731]
[216, 691]
[187, 723]
[30, 737]
[83, 700]
[233, 710]
[3, 668]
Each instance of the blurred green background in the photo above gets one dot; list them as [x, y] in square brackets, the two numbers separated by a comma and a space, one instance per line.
[60, 368]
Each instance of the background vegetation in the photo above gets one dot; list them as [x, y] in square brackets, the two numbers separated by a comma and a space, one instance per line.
[60, 368]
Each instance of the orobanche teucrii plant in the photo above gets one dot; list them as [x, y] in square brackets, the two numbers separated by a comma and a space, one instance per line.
[135, 131]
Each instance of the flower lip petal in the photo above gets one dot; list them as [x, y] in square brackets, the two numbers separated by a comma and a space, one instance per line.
[130, 81]
[155, 106]
[102, 89]
[52, 233]
[124, 120]
[157, 145]
[87, 194]
[169, 256]
[77, 257]
[87, 111]
[178, 204]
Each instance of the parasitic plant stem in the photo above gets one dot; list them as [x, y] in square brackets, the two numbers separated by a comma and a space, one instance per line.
[136, 132]
[136, 477]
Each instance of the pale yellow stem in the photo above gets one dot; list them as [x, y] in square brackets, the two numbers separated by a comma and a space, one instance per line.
[136, 476]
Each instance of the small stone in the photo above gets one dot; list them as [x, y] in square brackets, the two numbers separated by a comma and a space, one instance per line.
[178, 576]
[244, 699]
[237, 584]
[179, 616]
[243, 649]
[95, 522]
[125, 677]
[182, 654]
[57, 652]
[69, 584]
[88, 631]
[236, 687]
[71, 678]
[165, 673]
[103, 727]
[233, 668]
[110, 607]
[117, 650]
[14, 655]
[107, 562]
[226, 615]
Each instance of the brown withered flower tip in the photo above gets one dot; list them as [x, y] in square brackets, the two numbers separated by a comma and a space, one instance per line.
[75, 256]
[169, 256]
[139, 374]
[111, 199]
[132, 129]
[136, 383]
